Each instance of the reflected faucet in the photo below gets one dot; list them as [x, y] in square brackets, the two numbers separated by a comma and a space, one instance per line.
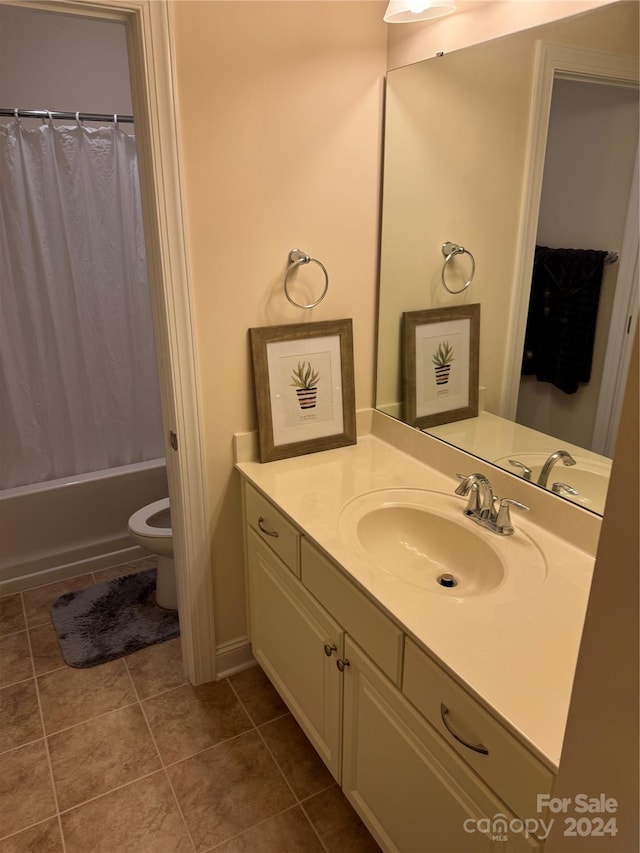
[567, 459]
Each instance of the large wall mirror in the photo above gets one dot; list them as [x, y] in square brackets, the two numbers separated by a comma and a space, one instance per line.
[526, 141]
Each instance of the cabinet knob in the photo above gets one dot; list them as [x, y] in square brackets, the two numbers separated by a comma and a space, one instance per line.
[342, 663]
[264, 529]
[329, 650]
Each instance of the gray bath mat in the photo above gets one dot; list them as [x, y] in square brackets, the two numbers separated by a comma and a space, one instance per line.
[111, 619]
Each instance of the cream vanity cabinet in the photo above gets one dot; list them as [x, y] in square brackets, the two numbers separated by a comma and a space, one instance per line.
[371, 701]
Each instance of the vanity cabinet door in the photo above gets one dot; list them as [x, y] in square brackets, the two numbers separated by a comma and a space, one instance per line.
[297, 644]
[408, 786]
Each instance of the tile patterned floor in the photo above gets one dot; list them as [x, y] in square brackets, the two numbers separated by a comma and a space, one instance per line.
[128, 756]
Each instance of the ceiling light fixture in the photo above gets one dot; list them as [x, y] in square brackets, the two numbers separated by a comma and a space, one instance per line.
[409, 11]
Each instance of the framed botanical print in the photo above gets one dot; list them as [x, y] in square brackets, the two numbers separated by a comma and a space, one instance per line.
[440, 353]
[303, 375]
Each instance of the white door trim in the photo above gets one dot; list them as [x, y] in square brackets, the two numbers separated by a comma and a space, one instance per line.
[551, 60]
[621, 330]
[152, 72]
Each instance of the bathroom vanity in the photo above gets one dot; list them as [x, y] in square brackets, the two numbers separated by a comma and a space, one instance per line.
[440, 711]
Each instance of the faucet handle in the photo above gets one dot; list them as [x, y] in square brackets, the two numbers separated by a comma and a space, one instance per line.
[503, 521]
[526, 471]
[558, 488]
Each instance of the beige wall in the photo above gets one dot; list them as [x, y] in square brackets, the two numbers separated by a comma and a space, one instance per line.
[280, 117]
[478, 21]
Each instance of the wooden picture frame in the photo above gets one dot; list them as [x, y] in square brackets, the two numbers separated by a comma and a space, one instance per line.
[304, 387]
[440, 355]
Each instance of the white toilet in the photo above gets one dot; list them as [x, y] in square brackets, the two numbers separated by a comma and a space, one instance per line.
[150, 527]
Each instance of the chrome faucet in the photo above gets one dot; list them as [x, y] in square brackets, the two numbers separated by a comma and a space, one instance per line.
[481, 497]
[567, 459]
[481, 506]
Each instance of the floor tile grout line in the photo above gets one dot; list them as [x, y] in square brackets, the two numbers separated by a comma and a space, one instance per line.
[161, 760]
[312, 824]
[13, 683]
[161, 692]
[89, 719]
[242, 704]
[191, 755]
[44, 731]
[265, 820]
[246, 710]
[12, 633]
[298, 802]
[43, 586]
[27, 828]
[180, 811]
[20, 746]
[110, 791]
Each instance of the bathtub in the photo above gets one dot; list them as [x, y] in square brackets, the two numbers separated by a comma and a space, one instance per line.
[62, 528]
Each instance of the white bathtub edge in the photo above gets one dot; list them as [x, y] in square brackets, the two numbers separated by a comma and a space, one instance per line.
[71, 570]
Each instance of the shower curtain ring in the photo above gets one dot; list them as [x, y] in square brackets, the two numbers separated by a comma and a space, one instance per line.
[115, 120]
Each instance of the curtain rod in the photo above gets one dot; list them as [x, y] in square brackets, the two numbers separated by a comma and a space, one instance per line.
[51, 114]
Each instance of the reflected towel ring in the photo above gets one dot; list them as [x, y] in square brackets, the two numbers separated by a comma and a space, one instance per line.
[296, 259]
[450, 250]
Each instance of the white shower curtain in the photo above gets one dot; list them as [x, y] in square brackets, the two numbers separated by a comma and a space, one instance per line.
[78, 382]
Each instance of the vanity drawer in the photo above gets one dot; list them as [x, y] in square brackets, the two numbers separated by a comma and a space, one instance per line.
[511, 770]
[369, 627]
[273, 528]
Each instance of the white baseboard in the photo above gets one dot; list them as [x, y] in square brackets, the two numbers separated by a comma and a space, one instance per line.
[233, 657]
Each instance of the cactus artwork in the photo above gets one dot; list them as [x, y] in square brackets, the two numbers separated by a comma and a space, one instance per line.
[442, 359]
[305, 381]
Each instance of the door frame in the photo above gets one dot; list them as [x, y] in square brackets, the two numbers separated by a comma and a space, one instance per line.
[153, 91]
[551, 61]
[621, 329]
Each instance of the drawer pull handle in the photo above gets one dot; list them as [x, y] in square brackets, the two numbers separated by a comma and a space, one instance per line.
[264, 529]
[475, 747]
[342, 663]
[329, 650]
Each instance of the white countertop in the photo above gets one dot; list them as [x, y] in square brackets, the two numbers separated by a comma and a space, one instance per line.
[516, 656]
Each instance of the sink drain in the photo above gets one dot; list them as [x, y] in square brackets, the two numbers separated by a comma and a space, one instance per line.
[447, 580]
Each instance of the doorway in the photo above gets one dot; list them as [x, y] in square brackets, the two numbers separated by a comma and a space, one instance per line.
[147, 28]
[594, 69]
[588, 175]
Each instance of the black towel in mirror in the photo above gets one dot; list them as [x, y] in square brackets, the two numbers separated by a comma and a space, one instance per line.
[563, 309]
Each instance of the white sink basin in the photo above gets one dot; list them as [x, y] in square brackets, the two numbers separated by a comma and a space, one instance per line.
[589, 477]
[419, 536]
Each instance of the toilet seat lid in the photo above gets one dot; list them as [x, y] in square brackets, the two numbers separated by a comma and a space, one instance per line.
[139, 521]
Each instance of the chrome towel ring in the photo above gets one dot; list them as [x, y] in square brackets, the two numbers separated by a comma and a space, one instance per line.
[296, 259]
[450, 250]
